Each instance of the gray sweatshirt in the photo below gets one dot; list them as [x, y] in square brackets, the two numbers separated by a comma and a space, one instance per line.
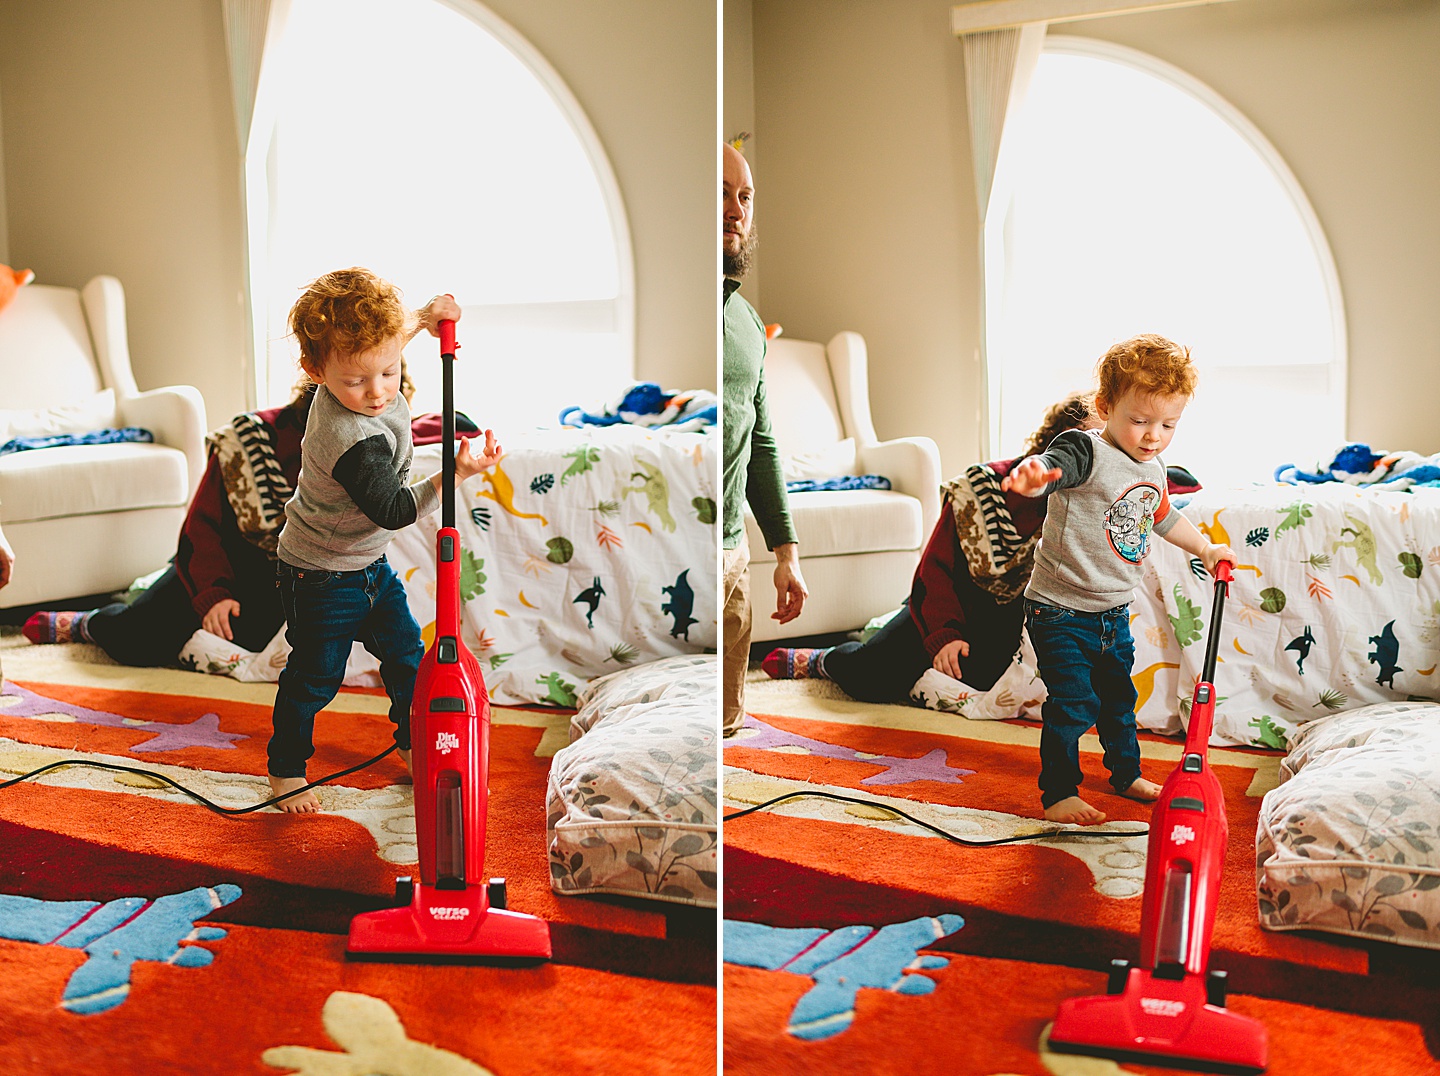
[352, 493]
[1103, 510]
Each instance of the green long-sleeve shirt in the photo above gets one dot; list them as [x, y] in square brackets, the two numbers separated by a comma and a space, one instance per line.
[752, 462]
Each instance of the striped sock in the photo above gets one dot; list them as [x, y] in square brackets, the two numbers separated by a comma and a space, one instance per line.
[64, 627]
[797, 663]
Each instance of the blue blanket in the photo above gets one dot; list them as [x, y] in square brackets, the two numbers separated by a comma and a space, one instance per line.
[94, 437]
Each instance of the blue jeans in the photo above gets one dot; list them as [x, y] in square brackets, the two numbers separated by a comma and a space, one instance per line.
[325, 613]
[1085, 661]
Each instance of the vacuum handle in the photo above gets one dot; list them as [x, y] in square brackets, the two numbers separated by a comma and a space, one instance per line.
[1223, 577]
[447, 418]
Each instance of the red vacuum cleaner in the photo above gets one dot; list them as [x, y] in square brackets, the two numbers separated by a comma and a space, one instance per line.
[449, 913]
[1170, 1010]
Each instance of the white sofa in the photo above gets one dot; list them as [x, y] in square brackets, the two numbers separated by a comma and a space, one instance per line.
[87, 519]
[858, 548]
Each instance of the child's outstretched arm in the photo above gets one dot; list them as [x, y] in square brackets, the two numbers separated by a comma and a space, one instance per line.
[1029, 477]
[1188, 537]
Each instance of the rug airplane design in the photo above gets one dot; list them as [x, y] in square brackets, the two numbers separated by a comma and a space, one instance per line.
[115, 934]
[841, 962]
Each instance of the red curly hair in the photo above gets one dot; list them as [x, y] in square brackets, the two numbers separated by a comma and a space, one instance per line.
[1149, 365]
[347, 311]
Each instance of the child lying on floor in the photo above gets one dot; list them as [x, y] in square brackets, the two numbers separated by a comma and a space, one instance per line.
[1107, 495]
[335, 583]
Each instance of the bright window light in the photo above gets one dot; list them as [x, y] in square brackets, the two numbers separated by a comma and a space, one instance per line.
[1142, 202]
[413, 140]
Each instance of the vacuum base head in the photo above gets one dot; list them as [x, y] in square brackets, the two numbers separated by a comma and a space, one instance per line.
[1162, 1022]
[449, 926]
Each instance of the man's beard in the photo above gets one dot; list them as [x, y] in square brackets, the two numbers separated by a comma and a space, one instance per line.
[738, 264]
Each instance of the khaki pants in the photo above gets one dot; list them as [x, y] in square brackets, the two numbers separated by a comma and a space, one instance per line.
[736, 603]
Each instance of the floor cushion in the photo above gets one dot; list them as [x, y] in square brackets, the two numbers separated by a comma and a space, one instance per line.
[631, 802]
[1348, 842]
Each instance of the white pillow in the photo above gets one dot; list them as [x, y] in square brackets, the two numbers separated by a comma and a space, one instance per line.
[95, 413]
[831, 462]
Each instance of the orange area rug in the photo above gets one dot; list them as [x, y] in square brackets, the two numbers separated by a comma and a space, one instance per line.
[141, 932]
[985, 942]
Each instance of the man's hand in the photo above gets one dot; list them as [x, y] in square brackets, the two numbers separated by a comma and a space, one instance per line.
[217, 618]
[441, 308]
[1213, 554]
[790, 589]
[947, 659]
[467, 463]
[1029, 478]
[7, 561]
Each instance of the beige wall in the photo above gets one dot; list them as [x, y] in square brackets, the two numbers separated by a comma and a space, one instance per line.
[120, 156]
[737, 99]
[867, 209]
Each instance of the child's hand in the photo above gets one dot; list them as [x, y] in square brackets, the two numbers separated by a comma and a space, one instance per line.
[947, 659]
[441, 308]
[1214, 553]
[467, 463]
[1029, 478]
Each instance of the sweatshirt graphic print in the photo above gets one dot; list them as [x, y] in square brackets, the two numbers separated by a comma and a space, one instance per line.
[1104, 512]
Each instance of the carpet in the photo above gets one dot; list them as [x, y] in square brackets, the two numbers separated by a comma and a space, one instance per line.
[858, 942]
[141, 932]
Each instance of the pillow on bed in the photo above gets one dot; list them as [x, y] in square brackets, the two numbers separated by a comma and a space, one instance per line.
[1348, 842]
[631, 802]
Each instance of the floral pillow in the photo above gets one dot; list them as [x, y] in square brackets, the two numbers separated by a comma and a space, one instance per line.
[631, 801]
[1348, 842]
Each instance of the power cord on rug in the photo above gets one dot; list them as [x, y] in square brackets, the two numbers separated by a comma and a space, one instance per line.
[193, 795]
[1051, 835]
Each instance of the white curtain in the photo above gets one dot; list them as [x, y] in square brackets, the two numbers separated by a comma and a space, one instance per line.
[998, 68]
[254, 30]
[252, 27]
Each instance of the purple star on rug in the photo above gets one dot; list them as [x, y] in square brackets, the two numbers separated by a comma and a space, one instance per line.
[932, 766]
[204, 731]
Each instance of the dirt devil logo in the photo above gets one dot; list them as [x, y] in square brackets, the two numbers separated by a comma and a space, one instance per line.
[1182, 833]
[446, 742]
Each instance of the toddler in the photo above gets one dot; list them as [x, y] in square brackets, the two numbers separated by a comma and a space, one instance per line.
[1107, 496]
[335, 584]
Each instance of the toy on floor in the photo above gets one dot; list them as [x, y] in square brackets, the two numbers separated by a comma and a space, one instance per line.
[1171, 1009]
[449, 912]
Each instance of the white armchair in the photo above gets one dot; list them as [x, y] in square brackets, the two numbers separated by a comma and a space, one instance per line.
[858, 548]
[86, 519]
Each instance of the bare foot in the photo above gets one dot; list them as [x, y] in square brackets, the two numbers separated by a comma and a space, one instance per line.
[305, 803]
[405, 757]
[1143, 790]
[1074, 810]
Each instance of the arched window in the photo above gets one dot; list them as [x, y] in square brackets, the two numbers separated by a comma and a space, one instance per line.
[1143, 202]
[428, 142]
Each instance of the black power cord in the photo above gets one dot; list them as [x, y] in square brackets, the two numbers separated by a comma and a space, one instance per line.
[193, 795]
[1053, 835]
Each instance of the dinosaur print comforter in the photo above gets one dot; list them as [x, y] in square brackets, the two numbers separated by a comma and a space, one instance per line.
[583, 551]
[1335, 605]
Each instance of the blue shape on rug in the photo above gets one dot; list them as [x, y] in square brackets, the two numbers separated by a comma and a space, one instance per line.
[841, 962]
[931, 766]
[115, 934]
[204, 731]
